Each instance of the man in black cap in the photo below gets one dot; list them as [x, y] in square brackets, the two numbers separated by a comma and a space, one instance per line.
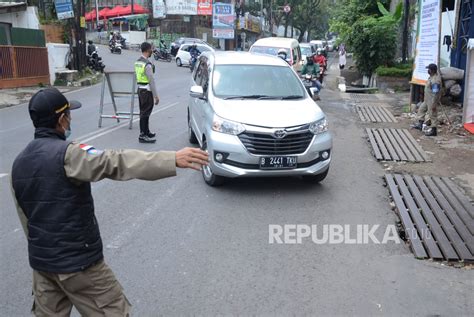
[51, 187]
[427, 116]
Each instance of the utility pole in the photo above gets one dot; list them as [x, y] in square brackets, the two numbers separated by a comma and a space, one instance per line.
[97, 12]
[133, 10]
[80, 37]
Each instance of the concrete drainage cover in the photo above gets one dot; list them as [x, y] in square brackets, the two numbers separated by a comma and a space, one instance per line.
[438, 218]
[395, 145]
[374, 113]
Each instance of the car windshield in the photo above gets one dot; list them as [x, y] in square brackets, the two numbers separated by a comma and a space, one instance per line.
[268, 50]
[256, 82]
[305, 50]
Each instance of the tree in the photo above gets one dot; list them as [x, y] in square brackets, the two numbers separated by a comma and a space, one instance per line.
[374, 40]
[308, 16]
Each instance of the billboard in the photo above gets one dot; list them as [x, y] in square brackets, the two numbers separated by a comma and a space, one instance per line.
[223, 20]
[64, 9]
[159, 9]
[427, 39]
[181, 7]
[204, 7]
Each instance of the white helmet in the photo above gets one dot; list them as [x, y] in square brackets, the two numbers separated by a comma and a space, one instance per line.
[282, 53]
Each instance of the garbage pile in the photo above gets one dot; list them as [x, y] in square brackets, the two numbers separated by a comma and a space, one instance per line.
[452, 77]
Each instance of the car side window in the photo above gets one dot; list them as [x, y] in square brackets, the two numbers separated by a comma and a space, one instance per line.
[295, 55]
[204, 70]
[185, 48]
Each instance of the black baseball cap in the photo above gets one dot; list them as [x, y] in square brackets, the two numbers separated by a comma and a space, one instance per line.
[432, 67]
[47, 105]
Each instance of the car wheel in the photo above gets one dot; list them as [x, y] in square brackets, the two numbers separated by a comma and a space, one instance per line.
[316, 178]
[210, 178]
[191, 135]
[178, 62]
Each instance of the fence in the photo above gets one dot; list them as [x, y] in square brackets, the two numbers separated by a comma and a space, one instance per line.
[23, 66]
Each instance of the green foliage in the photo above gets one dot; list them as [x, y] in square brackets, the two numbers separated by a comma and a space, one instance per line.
[394, 72]
[374, 41]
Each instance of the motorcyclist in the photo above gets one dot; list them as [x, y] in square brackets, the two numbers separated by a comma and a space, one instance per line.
[162, 45]
[283, 54]
[90, 48]
[194, 52]
[322, 61]
[313, 69]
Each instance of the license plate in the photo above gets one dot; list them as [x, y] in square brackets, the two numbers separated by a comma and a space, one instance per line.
[278, 162]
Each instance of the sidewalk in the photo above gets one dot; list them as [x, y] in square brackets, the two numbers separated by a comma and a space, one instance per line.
[15, 96]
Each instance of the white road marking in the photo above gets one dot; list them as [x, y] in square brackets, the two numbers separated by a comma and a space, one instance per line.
[3, 175]
[98, 134]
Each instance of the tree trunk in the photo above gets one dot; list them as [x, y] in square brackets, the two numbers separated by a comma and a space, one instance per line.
[286, 26]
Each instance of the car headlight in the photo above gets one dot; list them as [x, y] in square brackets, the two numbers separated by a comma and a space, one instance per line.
[319, 126]
[226, 126]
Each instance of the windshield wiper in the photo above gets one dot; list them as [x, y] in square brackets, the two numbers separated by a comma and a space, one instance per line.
[291, 97]
[251, 97]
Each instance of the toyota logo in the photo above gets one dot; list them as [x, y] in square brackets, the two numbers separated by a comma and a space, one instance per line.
[280, 134]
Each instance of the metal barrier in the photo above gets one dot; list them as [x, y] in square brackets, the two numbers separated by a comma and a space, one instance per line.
[120, 84]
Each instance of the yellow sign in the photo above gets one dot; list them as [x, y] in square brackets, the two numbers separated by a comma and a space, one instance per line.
[83, 22]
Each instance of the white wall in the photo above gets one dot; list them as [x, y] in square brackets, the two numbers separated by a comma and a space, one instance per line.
[24, 19]
[469, 86]
[56, 58]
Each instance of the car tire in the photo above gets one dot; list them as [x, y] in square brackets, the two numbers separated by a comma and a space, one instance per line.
[315, 178]
[209, 177]
[178, 62]
[191, 135]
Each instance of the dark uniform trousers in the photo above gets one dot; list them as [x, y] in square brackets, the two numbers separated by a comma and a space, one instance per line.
[145, 99]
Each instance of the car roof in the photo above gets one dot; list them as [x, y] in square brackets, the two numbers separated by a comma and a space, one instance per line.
[274, 41]
[306, 44]
[244, 58]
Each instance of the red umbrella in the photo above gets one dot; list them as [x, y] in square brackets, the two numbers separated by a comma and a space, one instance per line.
[113, 12]
[90, 15]
[137, 9]
[103, 12]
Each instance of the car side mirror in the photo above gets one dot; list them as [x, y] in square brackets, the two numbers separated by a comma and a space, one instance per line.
[197, 92]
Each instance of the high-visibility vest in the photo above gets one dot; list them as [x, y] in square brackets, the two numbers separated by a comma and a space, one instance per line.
[140, 65]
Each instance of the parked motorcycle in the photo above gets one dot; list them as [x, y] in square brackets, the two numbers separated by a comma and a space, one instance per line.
[94, 61]
[115, 48]
[162, 54]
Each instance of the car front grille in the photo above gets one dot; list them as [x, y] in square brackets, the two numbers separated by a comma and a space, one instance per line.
[267, 144]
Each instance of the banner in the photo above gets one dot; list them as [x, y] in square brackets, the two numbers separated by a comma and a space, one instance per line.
[159, 9]
[64, 9]
[223, 20]
[427, 39]
[181, 7]
[223, 33]
[204, 7]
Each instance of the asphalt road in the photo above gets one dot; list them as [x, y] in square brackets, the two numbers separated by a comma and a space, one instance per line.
[180, 247]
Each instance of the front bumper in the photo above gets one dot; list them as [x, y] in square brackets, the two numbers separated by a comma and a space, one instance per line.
[239, 162]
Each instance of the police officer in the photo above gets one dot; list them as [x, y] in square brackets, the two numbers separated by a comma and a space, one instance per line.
[51, 186]
[428, 112]
[147, 94]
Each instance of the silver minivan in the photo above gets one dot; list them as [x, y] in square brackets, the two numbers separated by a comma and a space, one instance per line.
[254, 117]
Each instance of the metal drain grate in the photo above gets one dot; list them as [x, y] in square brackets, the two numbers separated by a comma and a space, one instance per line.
[396, 145]
[374, 114]
[362, 97]
[437, 217]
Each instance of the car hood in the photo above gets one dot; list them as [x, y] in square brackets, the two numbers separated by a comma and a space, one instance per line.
[269, 113]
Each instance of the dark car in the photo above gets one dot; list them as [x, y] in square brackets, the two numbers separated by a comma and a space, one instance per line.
[182, 40]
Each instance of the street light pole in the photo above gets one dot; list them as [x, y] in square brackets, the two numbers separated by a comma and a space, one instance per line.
[97, 13]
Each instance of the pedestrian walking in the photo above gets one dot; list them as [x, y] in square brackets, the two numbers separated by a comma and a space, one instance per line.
[51, 185]
[342, 56]
[427, 116]
[147, 93]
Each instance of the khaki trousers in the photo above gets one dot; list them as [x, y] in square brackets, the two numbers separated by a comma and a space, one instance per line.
[93, 292]
[428, 113]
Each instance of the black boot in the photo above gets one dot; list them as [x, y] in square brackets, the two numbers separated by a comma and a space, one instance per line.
[418, 125]
[431, 132]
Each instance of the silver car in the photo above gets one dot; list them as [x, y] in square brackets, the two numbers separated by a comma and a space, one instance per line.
[254, 117]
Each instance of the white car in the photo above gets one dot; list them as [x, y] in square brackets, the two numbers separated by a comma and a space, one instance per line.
[183, 56]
